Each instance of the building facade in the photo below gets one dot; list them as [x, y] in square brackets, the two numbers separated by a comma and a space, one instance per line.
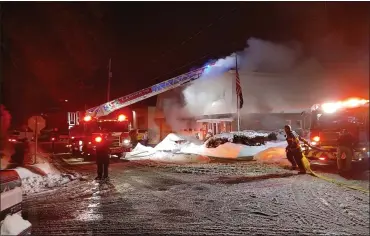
[210, 104]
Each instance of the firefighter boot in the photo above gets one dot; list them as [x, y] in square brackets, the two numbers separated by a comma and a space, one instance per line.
[298, 156]
[290, 158]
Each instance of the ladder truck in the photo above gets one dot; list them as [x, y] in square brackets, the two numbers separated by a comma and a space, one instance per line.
[92, 124]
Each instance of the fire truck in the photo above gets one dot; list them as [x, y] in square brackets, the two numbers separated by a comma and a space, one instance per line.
[88, 127]
[85, 136]
[327, 121]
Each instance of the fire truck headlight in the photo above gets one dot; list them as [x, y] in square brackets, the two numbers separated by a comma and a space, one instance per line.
[316, 139]
[313, 143]
[80, 143]
[126, 141]
[98, 139]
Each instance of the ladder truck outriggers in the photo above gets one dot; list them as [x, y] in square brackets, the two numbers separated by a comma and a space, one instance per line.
[87, 126]
[327, 121]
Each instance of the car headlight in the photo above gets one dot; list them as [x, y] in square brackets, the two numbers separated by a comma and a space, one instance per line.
[126, 141]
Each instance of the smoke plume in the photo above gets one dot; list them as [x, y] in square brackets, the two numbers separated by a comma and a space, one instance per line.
[278, 77]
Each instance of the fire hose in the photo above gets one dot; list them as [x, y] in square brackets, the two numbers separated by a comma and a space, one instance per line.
[307, 166]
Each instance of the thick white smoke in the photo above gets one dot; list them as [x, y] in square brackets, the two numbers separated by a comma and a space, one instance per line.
[259, 56]
[277, 77]
[173, 112]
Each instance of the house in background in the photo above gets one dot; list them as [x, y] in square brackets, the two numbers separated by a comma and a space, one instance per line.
[210, 104]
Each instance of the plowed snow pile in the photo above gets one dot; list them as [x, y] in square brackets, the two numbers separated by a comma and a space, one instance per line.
[14, 225]
[41, 177]
[273, 155]
[177, 148]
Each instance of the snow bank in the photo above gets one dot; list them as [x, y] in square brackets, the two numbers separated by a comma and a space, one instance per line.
[229, 150]
[246, 133]
[41, 177]
[181, 148]
[280, 134]
[174, 142]
[14, 225]
[141, 152]
[273, 155]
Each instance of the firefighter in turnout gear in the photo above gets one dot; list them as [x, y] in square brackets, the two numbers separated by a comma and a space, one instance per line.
[294, 150]
[102, 157]
[346, 143]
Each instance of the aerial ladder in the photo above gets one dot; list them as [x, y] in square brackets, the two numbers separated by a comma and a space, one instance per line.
[111, 106]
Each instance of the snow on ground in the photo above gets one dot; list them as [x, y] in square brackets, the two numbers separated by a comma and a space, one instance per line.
[229, 150]
[34, 182]
[175, 147]
[273, 155]
[39, 177]
[14, 225]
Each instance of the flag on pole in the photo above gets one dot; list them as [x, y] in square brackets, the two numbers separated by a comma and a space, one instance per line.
[239, 89]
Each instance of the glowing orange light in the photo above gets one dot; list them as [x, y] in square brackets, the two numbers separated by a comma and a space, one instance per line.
[98, 139]
[121, 117]
[87, 118]
[332, 107]
[316, 138]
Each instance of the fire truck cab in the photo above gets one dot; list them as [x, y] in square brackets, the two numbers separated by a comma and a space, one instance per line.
[329, 119]
[89, 132]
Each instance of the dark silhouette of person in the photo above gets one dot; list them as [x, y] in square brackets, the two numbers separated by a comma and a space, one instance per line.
[102, 158]
[346, 144]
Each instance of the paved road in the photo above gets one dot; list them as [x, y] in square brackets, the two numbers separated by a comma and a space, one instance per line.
[144, 198]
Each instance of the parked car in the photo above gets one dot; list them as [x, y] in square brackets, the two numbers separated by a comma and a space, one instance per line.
[11, 204]
[16, 135]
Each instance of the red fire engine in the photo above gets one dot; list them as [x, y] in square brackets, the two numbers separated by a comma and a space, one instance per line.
[328, 119]
[85, 135]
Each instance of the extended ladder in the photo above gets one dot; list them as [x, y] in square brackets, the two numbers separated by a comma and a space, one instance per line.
[140, 95]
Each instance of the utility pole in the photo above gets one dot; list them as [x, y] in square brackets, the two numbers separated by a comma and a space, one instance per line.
[109, 78]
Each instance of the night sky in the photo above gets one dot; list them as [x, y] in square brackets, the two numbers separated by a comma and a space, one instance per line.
[53, 51]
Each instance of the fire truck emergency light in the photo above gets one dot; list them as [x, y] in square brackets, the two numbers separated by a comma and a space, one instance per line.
[87, 118]
[98, 139]
[332, 107]
[316, 138]
[121, 117]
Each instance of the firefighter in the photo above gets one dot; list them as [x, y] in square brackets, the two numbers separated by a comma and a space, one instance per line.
[145, 140]
[21, 150]
[134, 137]
[208, 135]
[294, 150]
[102, 158]
[346, 144]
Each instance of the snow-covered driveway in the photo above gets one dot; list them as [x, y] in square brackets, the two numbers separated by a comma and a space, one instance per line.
[243, 198]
